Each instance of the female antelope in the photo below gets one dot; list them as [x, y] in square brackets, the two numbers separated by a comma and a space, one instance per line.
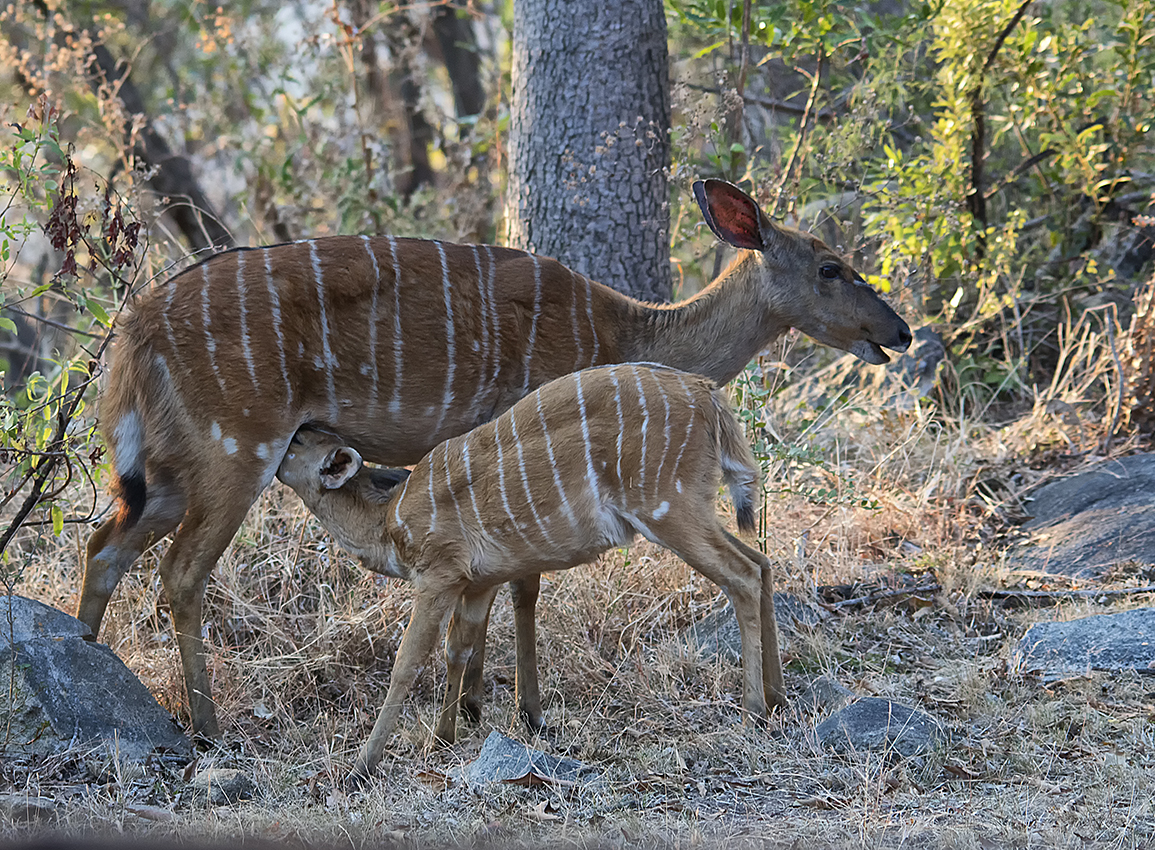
[398, 344]
[581, 465]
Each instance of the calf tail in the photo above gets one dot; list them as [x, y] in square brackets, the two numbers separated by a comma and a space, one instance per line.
[740, 471]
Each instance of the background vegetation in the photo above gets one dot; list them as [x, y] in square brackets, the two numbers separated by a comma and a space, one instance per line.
[989, 164]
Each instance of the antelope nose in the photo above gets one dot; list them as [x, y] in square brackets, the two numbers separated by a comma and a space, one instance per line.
[905, 338]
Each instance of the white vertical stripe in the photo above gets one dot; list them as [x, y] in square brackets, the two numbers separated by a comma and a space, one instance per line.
[557, 483]
[326, 350]
[666, 431]
[242, 309]
[432, 498]
[590, 316]
[692, 411]
[491, 287]
[168, 296]
[373, 318]
[404, 526]
[525, 479]
[645, 428]
[533, 323]
[501, 483]
[621, 423]
[470, 484]
[398, 343]
[591, 476]
[449, 484]
[275, 307]
[450, 340]
[483, 360]
[579, 349]
[206, 321]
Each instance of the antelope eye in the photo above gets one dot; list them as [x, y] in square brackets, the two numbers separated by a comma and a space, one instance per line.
[830, 271]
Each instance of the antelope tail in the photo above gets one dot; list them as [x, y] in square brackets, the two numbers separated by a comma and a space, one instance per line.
[740, 470]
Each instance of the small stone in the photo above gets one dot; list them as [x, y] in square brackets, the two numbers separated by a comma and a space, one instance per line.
[878, 724]
[221, 786]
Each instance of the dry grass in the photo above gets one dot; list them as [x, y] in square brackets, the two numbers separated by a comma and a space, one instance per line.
[302, 641]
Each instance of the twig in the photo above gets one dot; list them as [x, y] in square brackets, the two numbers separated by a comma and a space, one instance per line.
[769, 103]
[879, 595]
[1059, 595]
[803, 126]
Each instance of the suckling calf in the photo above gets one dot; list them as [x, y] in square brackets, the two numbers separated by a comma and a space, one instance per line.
[581, 465]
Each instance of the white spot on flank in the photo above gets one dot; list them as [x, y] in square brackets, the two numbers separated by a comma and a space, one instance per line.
[661, 510]
[678, 485]
[263, 451]
[215, 431]
[230, 445]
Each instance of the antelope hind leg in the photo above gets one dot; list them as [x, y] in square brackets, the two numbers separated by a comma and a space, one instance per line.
[773, 681]
[467, 629]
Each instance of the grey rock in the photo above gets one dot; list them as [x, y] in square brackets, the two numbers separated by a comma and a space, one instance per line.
[23, 809]
[221, 786]
[72, 693]
[1111, 642]
[503, 759]
[717, 633]
[1088, 522]
[878, 724]
[824, 695]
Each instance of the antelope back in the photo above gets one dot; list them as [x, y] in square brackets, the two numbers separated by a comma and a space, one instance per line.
[582, 464]
[396, 343]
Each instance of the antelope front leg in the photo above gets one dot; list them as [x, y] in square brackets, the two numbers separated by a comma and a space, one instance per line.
[430, 609]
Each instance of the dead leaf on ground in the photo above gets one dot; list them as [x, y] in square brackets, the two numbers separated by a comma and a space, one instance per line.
[542, 812]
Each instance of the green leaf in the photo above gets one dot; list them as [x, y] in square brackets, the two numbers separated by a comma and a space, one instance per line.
[98, 313]
[57, 520]
[7, 325]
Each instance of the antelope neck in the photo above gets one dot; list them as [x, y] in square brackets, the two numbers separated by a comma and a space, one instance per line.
[715, 332]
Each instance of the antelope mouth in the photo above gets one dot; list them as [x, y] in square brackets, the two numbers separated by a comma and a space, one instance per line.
[870, 352]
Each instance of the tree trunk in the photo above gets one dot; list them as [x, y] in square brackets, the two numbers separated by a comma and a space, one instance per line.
[588, 140]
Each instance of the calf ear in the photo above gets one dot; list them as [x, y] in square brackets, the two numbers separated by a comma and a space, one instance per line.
[732, 214]
[384, 480]
[341, 464]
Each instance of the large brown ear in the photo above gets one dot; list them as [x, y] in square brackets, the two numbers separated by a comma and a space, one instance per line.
[731, 213]
[341, 464]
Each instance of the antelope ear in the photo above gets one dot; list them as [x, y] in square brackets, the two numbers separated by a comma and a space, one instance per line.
[732, 214]
[340, 465]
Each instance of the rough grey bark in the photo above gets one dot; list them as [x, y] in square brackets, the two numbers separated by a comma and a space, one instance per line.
[588, 140]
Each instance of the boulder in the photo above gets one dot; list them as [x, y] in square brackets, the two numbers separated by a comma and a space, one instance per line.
[1088, 522]
[59, 691]
[1110, 642]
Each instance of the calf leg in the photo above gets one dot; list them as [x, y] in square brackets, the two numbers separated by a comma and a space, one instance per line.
[430, 609]
[466, 630]
[525, 592]
[713, 555]
[774, 684]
